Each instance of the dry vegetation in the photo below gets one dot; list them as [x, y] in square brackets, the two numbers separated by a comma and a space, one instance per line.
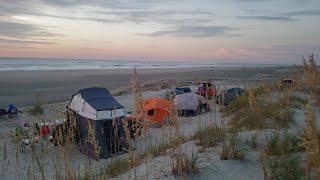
[269, 106]
[38, 105]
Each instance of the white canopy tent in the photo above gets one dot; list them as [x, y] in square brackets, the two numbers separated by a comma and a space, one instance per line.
[95, 107]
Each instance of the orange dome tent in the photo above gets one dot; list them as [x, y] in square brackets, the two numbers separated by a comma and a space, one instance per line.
[157, 109]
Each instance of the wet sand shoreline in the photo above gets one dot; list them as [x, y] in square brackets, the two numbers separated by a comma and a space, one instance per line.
[21, 87]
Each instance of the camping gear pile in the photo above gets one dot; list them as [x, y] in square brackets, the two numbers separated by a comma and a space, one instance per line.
[33, 133]
[207, 90]
[12, 111]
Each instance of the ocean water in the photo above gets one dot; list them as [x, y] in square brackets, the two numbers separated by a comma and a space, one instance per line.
[14, 64]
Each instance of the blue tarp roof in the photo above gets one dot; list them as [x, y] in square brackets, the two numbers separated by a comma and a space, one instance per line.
[100, 98]
[235, 91]
[183, 89]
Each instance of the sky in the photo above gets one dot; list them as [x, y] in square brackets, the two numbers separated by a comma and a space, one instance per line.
[266, 31]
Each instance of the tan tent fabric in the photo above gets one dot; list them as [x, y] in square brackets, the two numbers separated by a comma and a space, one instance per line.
[187, 101]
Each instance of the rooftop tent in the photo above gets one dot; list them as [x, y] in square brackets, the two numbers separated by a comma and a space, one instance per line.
[187, 103]
[157, 109]
[105, 115]
[96, 104]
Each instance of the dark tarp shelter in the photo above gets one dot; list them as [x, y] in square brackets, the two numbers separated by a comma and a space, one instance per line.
[105, 114]
[225, 97]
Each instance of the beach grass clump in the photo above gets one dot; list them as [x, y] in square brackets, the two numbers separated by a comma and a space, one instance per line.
[311, 142]
[235, 148]
[273, 146]
[283, 143]
[121, 165]
[311, 73]
[37, 109]
[161, 148]
[209, 136]
[252, 141]
[189, 164]
[116, 167]
[238, 148]
[255, 111]
[298, 102]
[286, 167]
[225, 151]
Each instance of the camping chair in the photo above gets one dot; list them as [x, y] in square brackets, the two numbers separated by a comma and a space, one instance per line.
[12, 111]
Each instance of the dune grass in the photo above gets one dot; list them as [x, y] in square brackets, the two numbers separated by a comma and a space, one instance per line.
[256, 110]
[116, 167]
[286, 167]
[37, 108]
[209, 136]
[252, 141]
[234, 148]
[189, 164]
[283, 143]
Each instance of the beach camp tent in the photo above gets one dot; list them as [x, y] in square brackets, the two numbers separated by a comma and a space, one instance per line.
[105, 115]
[157, 109]
[225, 97]
[188, 104]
